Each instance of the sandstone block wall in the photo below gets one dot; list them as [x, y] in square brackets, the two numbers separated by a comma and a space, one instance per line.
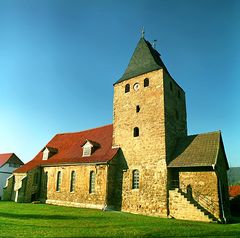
[175, 113]
[204, 189]
[80, 196]
[147, 153]
[31, 187]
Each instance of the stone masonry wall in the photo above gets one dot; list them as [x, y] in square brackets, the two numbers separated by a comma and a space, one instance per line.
[205, 184]
[175, 113]
[147, 153]
[221, 170]
[80, 197]
[8, 189]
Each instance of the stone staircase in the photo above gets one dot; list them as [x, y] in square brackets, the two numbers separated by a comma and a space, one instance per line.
[181, 207]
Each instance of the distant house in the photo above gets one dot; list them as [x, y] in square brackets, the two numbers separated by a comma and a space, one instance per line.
[8, 163]
[234, 181]
[234, 191]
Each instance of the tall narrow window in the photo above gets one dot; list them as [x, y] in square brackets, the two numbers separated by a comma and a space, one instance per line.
[136, 132]
[146, 82]
[46, 180]
[137, 108]
[72, 182]
[36, 178]
[92, 182]
[135, 179]
[59, 181]
[127, 88]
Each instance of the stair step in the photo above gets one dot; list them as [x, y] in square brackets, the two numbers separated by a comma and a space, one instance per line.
[196, 208]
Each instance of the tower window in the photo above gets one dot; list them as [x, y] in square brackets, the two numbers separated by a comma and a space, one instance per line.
[137, 108]
[59, 181]
[135, 179]
[136, 132]
[146, 82]
[171, 86]
[72, 182]
[92, 182]
[127, 88]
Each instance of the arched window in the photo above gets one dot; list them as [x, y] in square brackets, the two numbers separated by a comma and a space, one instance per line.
[72, 182]
[127, 88]
[135, 179]
[136, 132]
[92, 182]
[59, 181]
[146, 82]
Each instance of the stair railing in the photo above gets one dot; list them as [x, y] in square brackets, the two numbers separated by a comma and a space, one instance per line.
[202, 200]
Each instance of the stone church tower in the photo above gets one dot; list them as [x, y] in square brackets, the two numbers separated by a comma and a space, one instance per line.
[149, 115]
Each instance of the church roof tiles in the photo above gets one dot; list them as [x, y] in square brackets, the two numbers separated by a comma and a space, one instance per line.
[69, 147]
[197, 150]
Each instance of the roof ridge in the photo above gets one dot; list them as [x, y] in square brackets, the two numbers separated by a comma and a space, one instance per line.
[6, 153]
[205, 133]
[64, 133]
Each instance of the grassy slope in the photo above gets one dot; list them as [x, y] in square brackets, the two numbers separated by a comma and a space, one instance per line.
[39, 220]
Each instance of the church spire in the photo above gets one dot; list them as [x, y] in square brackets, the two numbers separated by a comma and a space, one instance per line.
[144, 59]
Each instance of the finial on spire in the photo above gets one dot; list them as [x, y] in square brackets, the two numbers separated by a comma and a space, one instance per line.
[143, 32]
[154, 44]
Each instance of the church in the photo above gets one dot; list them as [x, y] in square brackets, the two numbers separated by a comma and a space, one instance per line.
[142, 163]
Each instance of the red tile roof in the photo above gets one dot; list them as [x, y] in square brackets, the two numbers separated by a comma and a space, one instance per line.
[4, 158]
[69, 146]
[234, 190]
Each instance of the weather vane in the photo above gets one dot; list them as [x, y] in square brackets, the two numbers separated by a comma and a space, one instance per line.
[143, 32]
[154, 44]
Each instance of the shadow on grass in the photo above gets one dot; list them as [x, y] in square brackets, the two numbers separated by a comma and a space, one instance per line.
[235, 219]
[44, 217]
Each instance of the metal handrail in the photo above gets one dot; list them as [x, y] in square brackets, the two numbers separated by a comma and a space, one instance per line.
[202, 200]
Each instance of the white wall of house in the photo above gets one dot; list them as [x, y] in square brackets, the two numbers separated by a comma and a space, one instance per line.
[6, 171]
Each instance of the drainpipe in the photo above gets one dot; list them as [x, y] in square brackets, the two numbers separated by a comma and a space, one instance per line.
[223, 212]
[221, 198]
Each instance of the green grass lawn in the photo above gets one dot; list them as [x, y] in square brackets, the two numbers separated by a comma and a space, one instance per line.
[40, 220]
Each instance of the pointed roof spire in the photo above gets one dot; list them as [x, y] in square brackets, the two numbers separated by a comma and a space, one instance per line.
[144, 59]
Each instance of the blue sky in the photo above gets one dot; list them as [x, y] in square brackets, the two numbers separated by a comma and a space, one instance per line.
[59, 59]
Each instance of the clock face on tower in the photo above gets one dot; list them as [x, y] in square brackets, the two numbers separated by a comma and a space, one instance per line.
[136, 86]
